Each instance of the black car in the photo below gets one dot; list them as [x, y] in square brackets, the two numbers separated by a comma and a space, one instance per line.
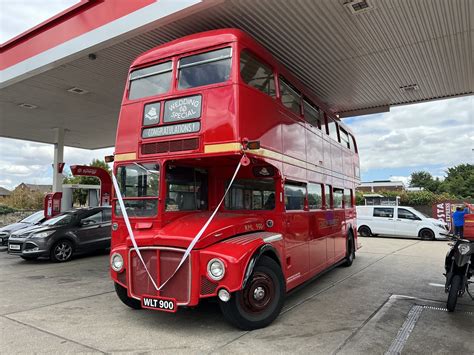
[60, 237]
[31, 220]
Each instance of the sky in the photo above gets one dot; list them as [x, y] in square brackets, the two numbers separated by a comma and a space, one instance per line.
[428, 136]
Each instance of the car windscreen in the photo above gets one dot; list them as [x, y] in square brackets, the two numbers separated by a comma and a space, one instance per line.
[60, 220]
[34, 218]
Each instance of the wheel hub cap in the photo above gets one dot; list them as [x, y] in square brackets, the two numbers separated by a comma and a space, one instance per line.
[258, 293]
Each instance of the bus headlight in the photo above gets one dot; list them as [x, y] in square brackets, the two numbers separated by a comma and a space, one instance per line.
[464, 249]
[116, 262]
[216, 269]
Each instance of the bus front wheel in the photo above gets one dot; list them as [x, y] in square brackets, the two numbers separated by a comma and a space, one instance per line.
[261, 301]
[122, 294]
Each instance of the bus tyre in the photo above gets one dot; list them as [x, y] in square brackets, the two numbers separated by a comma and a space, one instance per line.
[453, 293]
[122, 294]
[350, 251]
[365, 231]
[427, 234]
[261, 301]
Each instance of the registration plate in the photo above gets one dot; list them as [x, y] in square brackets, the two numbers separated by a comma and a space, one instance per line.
[159, 303]
[14, 247]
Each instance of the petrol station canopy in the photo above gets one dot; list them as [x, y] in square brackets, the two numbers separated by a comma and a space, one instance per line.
[358, 56]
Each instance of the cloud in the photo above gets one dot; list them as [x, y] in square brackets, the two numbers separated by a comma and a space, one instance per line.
[17, 16]
[434, 134]
[31, 162]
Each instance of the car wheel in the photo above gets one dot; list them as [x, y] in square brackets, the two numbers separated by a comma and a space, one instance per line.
[427, 234]
[365, 231]
[28, 257]
[62, 251]
[261, 301]
[453, 293]
[350, 251]
[122, 294]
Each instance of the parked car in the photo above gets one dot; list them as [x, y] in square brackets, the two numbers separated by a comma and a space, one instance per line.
[399, 220]
[61, 236]
[31, 220]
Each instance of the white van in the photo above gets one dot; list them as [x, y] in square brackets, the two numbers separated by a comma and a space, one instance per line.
[399, 220]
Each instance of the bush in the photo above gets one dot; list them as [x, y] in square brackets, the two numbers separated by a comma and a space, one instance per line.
[412, 198]
[24, 199]
[6, 209]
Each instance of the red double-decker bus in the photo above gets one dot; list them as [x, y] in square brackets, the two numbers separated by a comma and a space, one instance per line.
[195, 112]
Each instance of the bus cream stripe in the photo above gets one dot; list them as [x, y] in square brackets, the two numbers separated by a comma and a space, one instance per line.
[267, 153]
[125, 156]
[222, 148]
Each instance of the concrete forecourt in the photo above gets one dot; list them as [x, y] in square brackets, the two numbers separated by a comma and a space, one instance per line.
[369, 308]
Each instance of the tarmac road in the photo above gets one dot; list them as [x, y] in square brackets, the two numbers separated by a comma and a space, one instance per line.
[392, 287]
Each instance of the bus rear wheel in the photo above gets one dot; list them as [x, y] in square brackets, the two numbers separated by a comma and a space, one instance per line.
[261, 301]
[350, 251]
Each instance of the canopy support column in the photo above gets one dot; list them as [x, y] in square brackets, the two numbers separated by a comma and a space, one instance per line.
[58, 162]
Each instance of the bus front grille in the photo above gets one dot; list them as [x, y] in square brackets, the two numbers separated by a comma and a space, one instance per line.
[161, 263]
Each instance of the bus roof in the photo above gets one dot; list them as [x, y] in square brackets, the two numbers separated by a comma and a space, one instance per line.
[213, 38]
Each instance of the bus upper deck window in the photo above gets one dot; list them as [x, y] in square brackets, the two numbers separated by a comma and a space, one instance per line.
[332, 126]
[290, 97]
[204, 68]
[256, 74]
[311, 114]
[344, 138]
[150, 81]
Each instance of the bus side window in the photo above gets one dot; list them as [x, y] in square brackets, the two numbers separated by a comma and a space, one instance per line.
[315, 196]
[290, 97]
[332, 128]
[344, 138]
[354, 144]
[348, 198]
[337, 196]
[256, 74]
[312, 114]
[294, 197]
[328, 196]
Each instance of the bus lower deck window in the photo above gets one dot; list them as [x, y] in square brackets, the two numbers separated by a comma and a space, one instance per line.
[186, 189]
[246, 194]
[294, 197]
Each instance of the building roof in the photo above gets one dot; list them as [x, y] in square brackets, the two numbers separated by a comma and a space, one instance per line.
[382, 183]
[4, 191]
[70, 72]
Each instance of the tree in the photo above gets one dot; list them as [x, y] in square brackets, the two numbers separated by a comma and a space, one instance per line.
[425, 180]
[460, 180]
